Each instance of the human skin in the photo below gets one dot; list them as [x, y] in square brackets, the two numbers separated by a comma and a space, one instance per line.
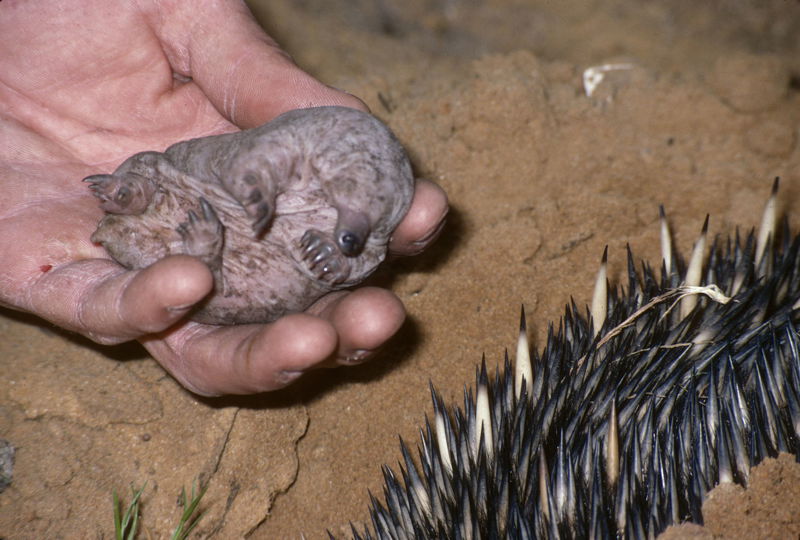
[85, 86]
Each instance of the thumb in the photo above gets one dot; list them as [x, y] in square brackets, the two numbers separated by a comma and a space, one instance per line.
[104, 302]
[242, 70]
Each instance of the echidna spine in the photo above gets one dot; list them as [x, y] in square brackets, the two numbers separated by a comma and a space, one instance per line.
[629, 415]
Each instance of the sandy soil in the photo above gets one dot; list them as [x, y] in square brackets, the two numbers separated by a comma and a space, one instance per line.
[489, 99]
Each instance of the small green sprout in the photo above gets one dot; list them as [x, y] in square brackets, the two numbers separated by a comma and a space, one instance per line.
[187, 523]
[126, 526]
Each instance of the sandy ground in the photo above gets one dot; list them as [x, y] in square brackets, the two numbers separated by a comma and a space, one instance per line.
[488, 97]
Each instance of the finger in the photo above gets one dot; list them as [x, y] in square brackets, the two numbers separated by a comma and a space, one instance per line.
[246, 359]
[364, 320]
[244, 72]
[108, 304]
[344, 327]
[424, 221]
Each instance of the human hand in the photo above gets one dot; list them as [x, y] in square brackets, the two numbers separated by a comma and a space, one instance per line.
[84, 87]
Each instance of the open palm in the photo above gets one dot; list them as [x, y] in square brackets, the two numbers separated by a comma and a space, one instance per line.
[81, 89]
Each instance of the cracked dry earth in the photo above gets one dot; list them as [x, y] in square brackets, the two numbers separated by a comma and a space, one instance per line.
[488, 99]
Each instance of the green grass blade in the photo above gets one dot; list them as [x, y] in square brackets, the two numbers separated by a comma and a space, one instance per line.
[125, 528]
[186, 523]
[117, 517]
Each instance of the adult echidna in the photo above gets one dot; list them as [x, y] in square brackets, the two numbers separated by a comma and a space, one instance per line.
[631, 413]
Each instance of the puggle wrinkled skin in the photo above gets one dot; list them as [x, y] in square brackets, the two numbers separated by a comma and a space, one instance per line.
[282, 214]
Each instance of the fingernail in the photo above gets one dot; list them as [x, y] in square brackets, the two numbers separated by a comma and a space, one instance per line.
[355, 357]
[286, 376]
[419, 246]
[431, 236]
[176, 309]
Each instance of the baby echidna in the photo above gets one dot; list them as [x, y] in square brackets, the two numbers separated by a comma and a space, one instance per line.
[282, 214]
[632, 412]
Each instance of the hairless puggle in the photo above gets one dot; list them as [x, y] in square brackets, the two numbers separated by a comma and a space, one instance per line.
[282, 214]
